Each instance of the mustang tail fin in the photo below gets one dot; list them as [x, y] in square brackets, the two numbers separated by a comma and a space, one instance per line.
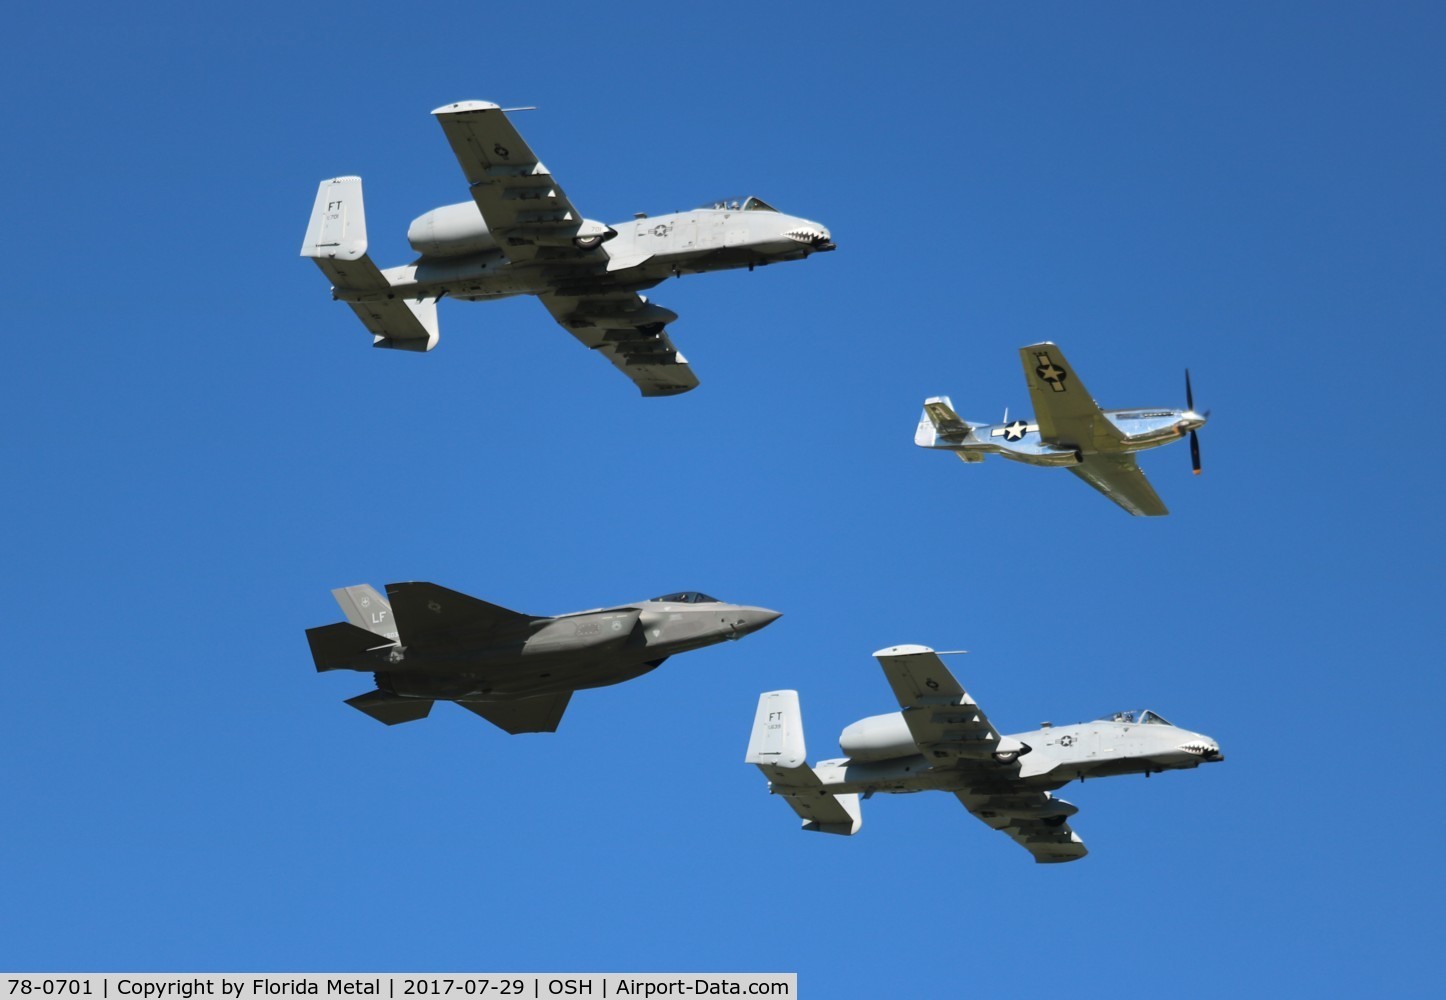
[336, 238]
[777, 748]
[939, 425]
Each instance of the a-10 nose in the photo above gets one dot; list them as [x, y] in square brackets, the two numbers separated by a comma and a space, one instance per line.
[812, 235]
[1203, 747]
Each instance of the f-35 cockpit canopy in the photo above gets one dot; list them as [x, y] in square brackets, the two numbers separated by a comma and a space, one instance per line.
[685, 597]
[1138, 717]
[749, 204]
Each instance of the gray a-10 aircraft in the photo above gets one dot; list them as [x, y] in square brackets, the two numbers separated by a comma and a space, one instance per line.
[520, 235]
[1069, 429]
[943, 741]
[428, 643]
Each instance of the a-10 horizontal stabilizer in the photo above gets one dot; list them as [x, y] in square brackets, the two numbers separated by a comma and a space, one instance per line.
[777, 748]
[390, 708]
[526, 715]
[343, 646]
[336, 239]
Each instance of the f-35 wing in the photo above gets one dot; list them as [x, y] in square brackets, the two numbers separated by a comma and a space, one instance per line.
[524, 208]
[525, 715]
[1119, 477]
[429, 615]
[1033, 820]
[1063, 408]
[629, 331]
[944, 721]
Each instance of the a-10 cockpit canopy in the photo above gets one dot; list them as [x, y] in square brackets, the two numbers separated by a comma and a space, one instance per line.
[685, 597]
[749, 204]
[1140, 717]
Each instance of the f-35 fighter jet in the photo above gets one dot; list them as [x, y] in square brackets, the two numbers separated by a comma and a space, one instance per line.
[942, 740]
[520, 235]
[1069, 429]
[428, 643]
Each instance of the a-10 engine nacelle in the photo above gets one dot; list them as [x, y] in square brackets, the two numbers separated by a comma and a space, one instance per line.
[454, 230]
[887, 737]
[879, 737]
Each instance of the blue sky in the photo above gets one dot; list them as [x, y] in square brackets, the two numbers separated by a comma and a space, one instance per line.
[200, 445]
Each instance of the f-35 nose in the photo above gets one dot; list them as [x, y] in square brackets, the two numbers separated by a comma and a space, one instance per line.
[747, 620]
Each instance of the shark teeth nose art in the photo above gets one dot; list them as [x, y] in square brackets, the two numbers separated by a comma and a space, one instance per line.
[805, 235]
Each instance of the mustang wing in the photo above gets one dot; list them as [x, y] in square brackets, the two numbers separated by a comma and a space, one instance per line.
[1119, 477]
[522, 205]
[1063, 408]
[1009, 810]
[946, 723]
[628, 331]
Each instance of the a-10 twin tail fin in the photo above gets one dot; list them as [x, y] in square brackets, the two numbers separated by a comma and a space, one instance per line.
[336, 238]
[777, 748]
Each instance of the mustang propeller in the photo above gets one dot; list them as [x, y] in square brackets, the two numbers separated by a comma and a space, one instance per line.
[1194, 440]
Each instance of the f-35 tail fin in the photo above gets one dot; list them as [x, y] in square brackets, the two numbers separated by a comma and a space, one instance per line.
[777, 748]
[336, 239]
[365, 608]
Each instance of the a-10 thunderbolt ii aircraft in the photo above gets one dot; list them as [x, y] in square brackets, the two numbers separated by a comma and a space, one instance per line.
[942, 740]
[517, 671]
[1069, 429]
[520, 235]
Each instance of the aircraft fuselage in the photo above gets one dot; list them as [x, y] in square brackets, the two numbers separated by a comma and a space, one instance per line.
[1056, 756]
[1020, 440]
[465, 263]
[583, 650]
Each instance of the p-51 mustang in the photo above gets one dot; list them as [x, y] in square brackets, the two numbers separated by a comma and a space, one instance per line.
[1069, 429]
[519, 235]
[517, 671]
[942, 740]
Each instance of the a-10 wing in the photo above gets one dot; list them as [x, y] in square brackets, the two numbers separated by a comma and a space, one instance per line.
[1024, 816]
[946, 724]
[531, 218]
[952, 731]
[615, 324]
[524, 208]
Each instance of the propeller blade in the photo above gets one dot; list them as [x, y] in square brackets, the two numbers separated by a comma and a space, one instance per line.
[1194, 453]
[1189, 396]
